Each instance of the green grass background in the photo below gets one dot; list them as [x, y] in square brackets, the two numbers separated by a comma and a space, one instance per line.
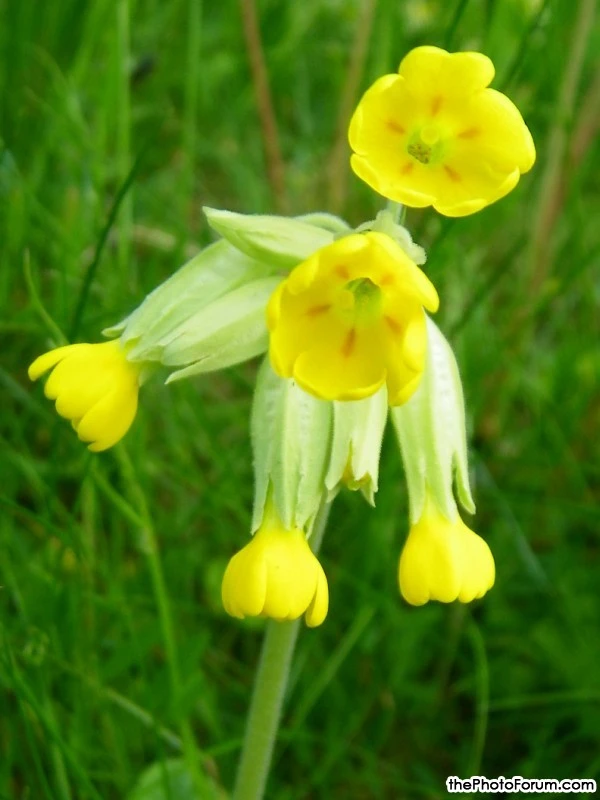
[385, 700]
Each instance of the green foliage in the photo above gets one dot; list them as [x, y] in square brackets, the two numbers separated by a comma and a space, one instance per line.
[385, 701]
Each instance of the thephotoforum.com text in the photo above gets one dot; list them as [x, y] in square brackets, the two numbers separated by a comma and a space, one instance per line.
[478, 783]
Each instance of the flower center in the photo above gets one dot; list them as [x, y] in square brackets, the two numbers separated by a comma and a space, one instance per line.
[363, 298]
[425, 146]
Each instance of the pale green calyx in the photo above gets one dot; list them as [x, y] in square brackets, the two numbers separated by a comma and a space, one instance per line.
[209, 315]
[280, 242]
[358, 427]
[291, 440]
[384, 222]
[432, 435]
[228, 331]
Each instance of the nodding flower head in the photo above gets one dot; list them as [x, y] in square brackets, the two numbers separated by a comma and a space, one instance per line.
[95, 387]
[276, 575]
[351, 318]
[444, 560]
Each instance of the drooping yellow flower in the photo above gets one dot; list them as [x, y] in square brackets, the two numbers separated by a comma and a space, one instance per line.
[435, 135]
[351, 318]
[444, 560]
[95, 387]
[276, 575]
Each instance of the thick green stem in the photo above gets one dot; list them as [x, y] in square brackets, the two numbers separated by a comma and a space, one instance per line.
[267, 699]
[265, 709]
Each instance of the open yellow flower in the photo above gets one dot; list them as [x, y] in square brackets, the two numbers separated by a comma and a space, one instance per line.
[435, 135]
[95, 387]
[444, 560]
[351, 318]
[276, 575]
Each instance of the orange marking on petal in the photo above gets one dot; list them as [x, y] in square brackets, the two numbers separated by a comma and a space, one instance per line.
[316, 310]
[349, 343]
[407, 168]
[342, 272]
[470, 133]
[395, 326]
[452, 174]
[387, 280]
[436, 104]
[395, 126]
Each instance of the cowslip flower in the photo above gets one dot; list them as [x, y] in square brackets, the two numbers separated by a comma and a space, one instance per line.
[95, 387]
[350, 318]
[435, 135]
[444, 560]
[276, 575]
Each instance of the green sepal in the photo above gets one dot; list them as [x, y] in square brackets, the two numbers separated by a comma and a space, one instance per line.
[358, 427]
[432, 434]
[216, 270]
[291, 439]
[230, 330]
[281, 242]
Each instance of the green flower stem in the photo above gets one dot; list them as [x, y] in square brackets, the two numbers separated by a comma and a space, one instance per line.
[397, 211]
[270, 684]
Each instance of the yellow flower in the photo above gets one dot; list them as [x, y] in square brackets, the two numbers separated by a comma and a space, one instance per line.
[435, 135]
[350, 319]
[276, 575]
[95, 387]
[444, 560]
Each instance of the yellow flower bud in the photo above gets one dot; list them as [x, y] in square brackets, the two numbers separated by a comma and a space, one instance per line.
[276, 575]
[444, 560]
[435, 135]
[94, 386]
[350, 319]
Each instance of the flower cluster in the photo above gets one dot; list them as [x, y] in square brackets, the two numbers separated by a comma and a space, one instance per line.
[341, 315]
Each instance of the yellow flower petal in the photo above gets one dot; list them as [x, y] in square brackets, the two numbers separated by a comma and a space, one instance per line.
[409, 278]
[444, 560]
[433, 70]
[95, 387]
[317, 611]
[44, 362]
[109, 420]
[348, 368]
[276, 575]
[414, 344]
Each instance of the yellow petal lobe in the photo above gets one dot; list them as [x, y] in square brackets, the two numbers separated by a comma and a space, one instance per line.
[444, 560]
[95, 387]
